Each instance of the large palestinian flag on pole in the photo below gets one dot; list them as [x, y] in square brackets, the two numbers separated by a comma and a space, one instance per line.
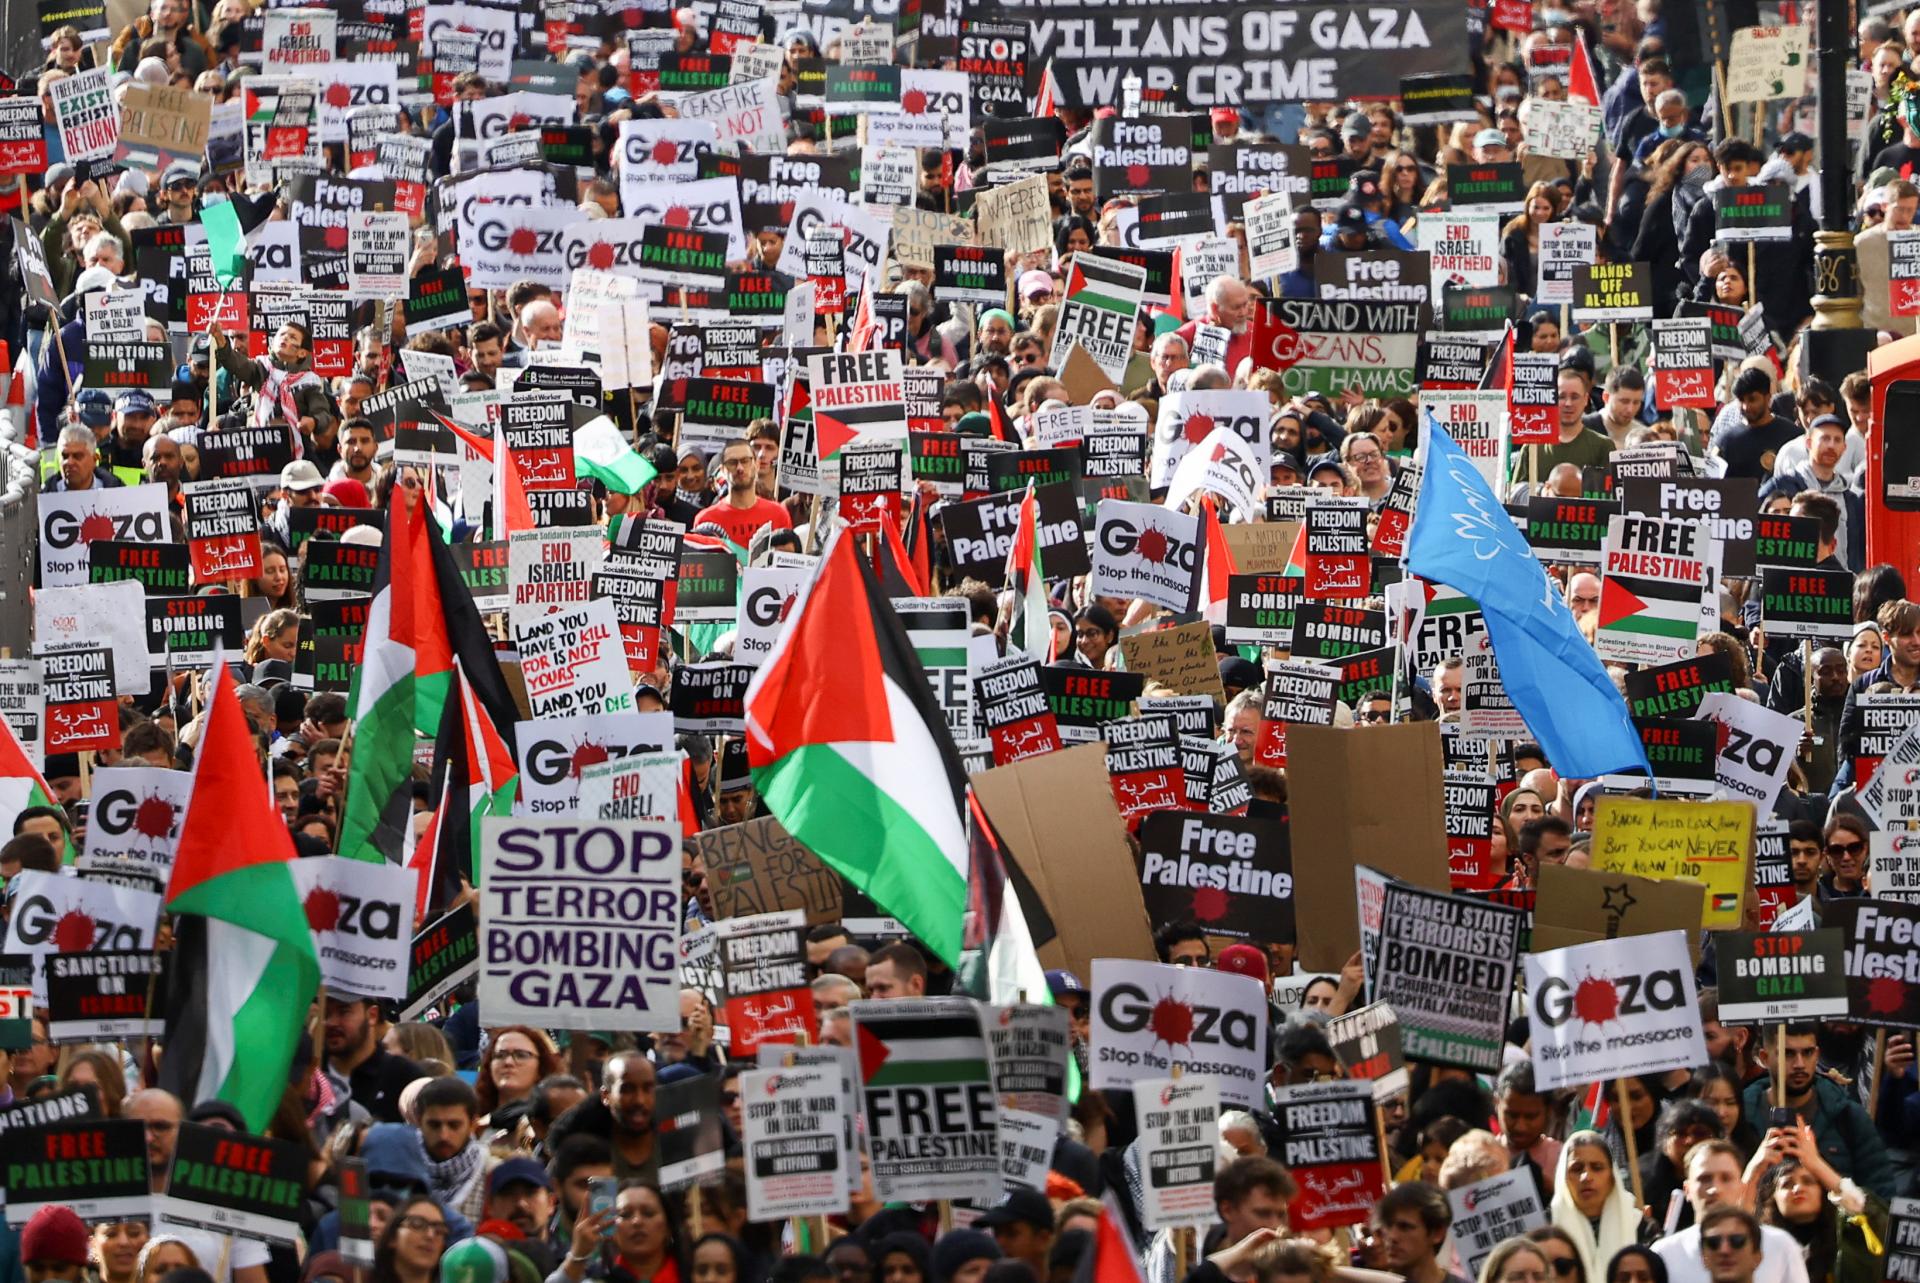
[851, 753]
[243, 972]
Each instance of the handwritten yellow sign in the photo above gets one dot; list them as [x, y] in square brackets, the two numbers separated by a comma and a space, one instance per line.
[1673, 840]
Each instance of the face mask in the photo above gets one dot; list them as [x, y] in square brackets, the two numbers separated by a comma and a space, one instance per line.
[1672, 131]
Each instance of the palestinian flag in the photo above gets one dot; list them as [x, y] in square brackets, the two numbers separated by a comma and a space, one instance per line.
[1028, 631]
[1581, 87]
[422, 615]
[919, 540]
[851, 754]
[474, 776]
[1111, 1257]
[1000, 428]
[1661, 608]
[1499, 372]
[21, 784]
[1218, 568]
[516, 513]
[1000, 963]
[910, 1042]
[243, 972]
[600, 452]
[899, 576]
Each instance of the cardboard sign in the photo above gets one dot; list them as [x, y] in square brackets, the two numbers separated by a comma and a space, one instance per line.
[793, 1138]
[1333, 1151]
[444, 954]
[361, 916]
[1706, 842]
[1221, 1019]
[1180, 658]
[1490, 1211]
[1179, 1118]
[1329, 772]
[231, 1183]
[1613, 1007]
[758, 867]
[768, 1000]
[1880, 960]
[928, 1099]
[97, 1167]
[1613, 292]
[566, 954]
[1787, 976]
[1817, 604]
[100, 997]
[1368, 1043]
[1446, 967]
[1579, 906]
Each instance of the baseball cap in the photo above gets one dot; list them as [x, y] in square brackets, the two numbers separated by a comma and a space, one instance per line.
[1794, 142]
[301, 475]
[269, 673]
[1490, 138]
[95, 406]
[1035, 281]
[1364, 185]
[1016, 1206]
[1224, 115]
[134, 401]
[1352, 219]
[1062, 983]
[1243, 960]
[1356, 126]
[180, 172]
[1287, 459]
[1325, 463]
[518, 1170]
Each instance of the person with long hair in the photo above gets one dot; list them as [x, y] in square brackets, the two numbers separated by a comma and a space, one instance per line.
[1841, 1228]
[644, 1247]
[100, 1070]
[518, 1057]
[1592, 1206]
[275, 636]
[275, 582]
[115, 1249]
[418, 1041]
[1563, 1254]
[1520, 238]
[162, 1253]
[1658, 242]
[410, 1247]
[1717, 1086]
[1401, 181]
[1516, 1260]
[720, 1258]
[1636, 1264]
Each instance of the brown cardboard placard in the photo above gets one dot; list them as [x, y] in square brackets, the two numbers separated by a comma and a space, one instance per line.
[1083, 376]
[759, 867]
[1057, 817]
[1337, 785]
[1260, 545]
[1580, 906]
[174, 122]
[1181, 658]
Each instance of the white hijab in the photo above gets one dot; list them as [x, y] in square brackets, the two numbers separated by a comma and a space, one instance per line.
[1619, 1219]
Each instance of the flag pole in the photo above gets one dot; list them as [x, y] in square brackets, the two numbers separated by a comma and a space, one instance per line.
[1626, 1130]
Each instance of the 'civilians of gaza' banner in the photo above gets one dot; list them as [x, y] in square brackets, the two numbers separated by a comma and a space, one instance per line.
[1613, 1008]
[1245, 54]
[582, 923]
[932, 1125]
[1148, 1017]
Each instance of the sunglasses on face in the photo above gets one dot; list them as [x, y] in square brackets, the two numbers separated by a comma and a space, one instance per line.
[1845, 848]
[1714, 1242]
[1564, 1266]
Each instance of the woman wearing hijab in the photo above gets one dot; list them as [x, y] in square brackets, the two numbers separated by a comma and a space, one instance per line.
[1592, 1207]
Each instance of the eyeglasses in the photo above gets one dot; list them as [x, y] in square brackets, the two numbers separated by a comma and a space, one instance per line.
[1714, 1242]
[515, 1055]
[1845, 848]
[1374, 715]
[1364, 456]
[422, 1225]
[1564, 1266]
[729, 1097]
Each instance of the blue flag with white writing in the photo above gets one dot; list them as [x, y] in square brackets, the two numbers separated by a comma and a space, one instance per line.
[1464, 539]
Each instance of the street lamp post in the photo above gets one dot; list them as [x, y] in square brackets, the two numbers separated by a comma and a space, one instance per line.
[1836, 272]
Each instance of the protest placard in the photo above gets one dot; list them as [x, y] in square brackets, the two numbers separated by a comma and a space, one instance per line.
[361, 916]
[765, 971]
[1660, 838]
[1488, 1212]
[1028, 1044]
[100, 997]
[95, 1166]
[230, 1183]
[1333, 1152]
[1613, 1007]
[1178, 1121]
[1785, 976]
[928, 1099]
[1446, 967]
[1222, 1015]
[793, 1141]
[1368, 1043]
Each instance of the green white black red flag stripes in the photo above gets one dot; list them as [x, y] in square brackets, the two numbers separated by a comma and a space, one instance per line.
[244, 972]
[21, 786]
[1028, 631]
[851, 754]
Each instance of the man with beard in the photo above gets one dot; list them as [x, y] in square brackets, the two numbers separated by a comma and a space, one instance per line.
[357, 1064]
[1846, 1137]
[622, 1115]
[457, 1163]
[520, 1192]
[358, 445]
[1230, 304]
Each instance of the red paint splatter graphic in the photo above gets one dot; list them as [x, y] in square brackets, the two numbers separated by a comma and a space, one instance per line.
[1209, 904]
[323, 909]
[1596, 1001]
[1219, 453]
[1172, 1022]
[1138, 175]
[585, 755]
[1196, 428]
[74, 932]
[339, 96]
[1153, 545]
[913, 102]
[1886, 995]
[786, 607]
[523, 241]
[600, 256]
[665, 152]
[96, 525]
[153, 818]
[336, 238]
[678, 216]
[518, 120]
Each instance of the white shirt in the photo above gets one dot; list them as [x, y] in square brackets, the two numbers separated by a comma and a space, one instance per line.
[206, 1246]
[1780, 1258]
